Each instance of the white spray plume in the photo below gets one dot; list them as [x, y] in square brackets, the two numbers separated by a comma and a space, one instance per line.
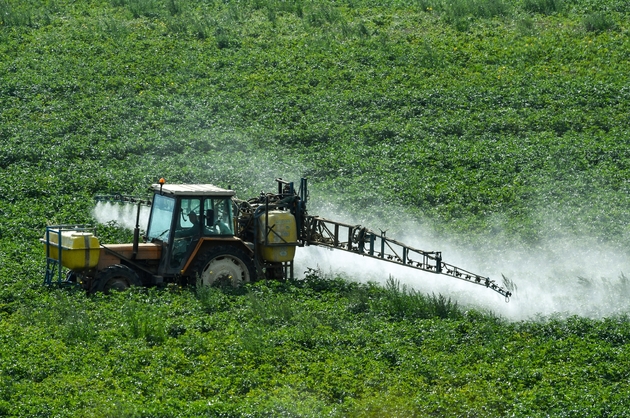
[124, 214]
[567, 276]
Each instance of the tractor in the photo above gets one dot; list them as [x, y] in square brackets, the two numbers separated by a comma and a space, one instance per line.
[201, 234]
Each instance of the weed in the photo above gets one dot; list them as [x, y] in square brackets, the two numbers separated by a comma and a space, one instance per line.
[402, 302]
[272, 16]
[429, 57]
[362, 30]
[180, 25]
[598, 22]
[545, 7]
[212, 299]
[143, 324]
[174, 7]
[359, 300]
[143, 8]
[202, 27]
[509, 284]
[117, 29]
[77, 325]
[253, 339]
[442, 307]
[462, 9]
[322, 14]
[15, 16]
[224, 38]
[525, 25]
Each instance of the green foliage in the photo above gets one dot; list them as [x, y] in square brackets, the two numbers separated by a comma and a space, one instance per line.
[482, 117]
[113, 233]
[302, 348]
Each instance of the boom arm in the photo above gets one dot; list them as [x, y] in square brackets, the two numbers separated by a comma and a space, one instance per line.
[359, 240]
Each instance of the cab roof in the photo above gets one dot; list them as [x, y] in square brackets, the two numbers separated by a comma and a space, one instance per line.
[193, 190]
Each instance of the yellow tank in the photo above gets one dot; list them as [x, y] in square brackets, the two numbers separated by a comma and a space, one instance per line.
[80, 250]
[281, 234]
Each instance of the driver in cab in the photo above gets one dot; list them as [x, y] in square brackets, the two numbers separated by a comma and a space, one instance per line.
[193, 231]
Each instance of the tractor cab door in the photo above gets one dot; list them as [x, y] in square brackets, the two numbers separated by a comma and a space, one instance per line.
[188, 227]
[217, 217]
[175, 222]
[161, 219]
[161, 226]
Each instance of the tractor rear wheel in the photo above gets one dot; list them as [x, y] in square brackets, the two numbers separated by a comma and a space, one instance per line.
[115, 277]
[224, 265]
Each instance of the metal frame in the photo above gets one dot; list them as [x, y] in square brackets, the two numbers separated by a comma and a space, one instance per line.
[359, 240]
[53, 265]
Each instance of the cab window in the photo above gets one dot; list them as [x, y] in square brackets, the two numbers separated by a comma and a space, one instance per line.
[189, 221]
[161, 217]
[218, 217]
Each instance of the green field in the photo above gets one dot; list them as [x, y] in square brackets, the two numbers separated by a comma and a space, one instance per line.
[496, 131]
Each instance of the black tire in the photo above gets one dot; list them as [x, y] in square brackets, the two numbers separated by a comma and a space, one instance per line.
[116, 277]
[225, 266]
[71, 277]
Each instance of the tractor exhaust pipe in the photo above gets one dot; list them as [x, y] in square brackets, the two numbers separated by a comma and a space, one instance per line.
[136, 234]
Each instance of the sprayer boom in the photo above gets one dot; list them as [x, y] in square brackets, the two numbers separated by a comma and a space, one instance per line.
[120, 198]
[359, 240]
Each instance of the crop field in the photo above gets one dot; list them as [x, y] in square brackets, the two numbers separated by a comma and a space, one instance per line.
[495, 131]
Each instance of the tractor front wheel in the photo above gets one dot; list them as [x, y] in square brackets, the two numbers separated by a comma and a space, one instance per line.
[224, 266]
[115, 277]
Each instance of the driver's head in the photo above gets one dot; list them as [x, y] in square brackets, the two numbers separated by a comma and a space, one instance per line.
[193, 217]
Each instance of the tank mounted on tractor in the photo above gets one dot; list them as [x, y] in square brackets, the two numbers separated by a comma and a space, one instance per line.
[203, 234]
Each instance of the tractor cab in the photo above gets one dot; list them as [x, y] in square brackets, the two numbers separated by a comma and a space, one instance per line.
[184, 214]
